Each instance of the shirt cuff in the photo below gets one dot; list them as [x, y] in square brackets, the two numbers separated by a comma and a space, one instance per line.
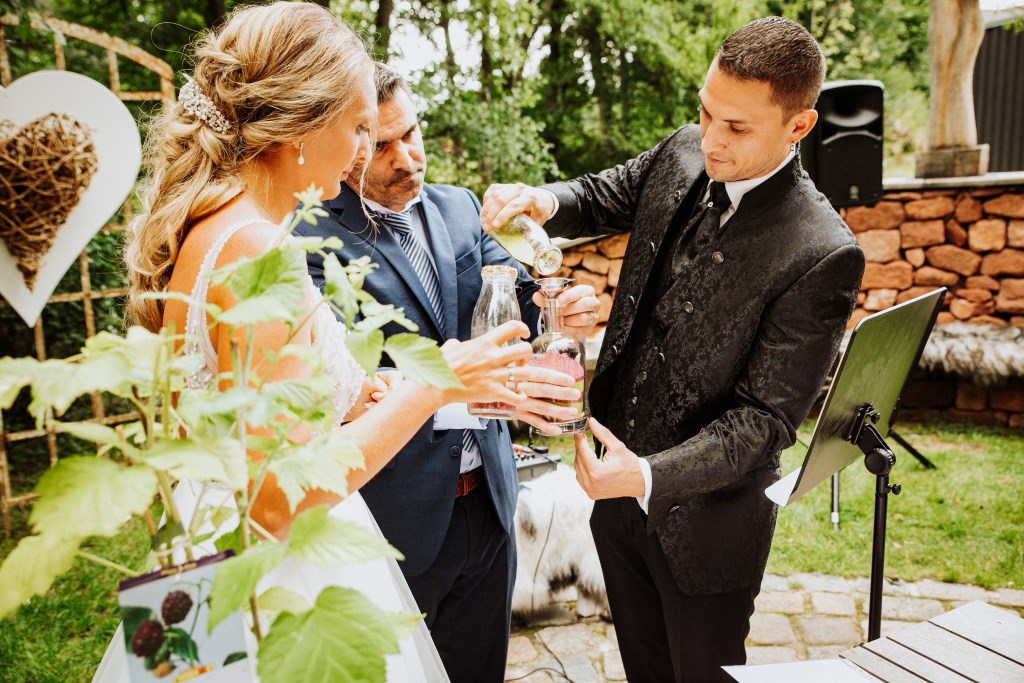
[555, 197]
[645, 470]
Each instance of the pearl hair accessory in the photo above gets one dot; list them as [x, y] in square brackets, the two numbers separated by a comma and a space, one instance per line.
[202, 107]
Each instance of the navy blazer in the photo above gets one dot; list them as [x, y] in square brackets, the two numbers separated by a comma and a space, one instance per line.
[413, 496]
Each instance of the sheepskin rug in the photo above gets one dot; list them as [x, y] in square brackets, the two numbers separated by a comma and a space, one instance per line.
[554, 546]
[986, 354]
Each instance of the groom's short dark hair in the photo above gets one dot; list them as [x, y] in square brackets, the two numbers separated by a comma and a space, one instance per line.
[387, 82]
[781, 53]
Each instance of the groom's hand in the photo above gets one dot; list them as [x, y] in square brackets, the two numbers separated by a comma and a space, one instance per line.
[616, 476]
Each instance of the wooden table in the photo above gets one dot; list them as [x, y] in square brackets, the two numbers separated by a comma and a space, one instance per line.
[976, 642]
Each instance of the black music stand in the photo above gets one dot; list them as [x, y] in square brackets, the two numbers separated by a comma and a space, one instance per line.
[858, 414]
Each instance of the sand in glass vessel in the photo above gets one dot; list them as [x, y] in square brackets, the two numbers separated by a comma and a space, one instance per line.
[556, 350]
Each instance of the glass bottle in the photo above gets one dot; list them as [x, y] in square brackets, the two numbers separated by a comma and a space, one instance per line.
[527, 243]
[558, 351]
[497, 305]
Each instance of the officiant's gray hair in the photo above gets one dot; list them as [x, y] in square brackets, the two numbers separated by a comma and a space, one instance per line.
[388, 82]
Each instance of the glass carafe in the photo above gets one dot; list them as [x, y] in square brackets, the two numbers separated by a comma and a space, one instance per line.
[527, 243]
[497, 305]
[556, 350]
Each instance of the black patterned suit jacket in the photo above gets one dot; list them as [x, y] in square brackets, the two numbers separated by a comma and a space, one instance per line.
[734, 352]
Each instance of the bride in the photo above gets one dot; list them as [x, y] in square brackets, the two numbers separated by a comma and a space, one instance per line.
[282, 98]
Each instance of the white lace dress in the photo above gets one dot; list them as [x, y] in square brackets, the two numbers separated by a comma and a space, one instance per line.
[380, 580]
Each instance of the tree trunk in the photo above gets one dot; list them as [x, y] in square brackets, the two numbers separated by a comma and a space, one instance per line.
[955, 32]
[214, 13]
[385, 8]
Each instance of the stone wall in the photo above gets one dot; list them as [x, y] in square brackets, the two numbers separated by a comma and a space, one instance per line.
[971, 241]
[968, 239]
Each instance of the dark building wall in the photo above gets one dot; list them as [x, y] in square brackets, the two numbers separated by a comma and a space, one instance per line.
[999, 97]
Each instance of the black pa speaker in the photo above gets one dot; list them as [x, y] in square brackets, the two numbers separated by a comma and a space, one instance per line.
[843, 152]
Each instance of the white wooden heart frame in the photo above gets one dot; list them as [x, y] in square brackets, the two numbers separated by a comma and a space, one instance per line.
[119, 154]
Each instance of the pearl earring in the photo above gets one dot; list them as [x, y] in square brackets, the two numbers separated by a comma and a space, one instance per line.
[301, 159]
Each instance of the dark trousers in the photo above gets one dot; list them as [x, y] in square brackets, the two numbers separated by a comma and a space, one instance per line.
[466, 593]
[664, 635]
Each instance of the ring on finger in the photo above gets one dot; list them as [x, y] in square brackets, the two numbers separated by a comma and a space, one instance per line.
[512, 375]
[593, 318]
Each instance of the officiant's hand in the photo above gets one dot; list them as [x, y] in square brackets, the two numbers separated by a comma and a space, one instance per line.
[504, 200]
[617, 475]
[579, 305]
[482, 365]
[541, 386]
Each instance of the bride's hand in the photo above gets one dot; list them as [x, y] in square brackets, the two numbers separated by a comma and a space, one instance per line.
[482, 365]
[384, 381]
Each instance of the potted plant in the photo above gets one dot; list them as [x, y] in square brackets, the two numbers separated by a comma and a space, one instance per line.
[211, 436]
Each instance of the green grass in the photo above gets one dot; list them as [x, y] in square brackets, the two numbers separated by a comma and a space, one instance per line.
[963, 522]
[62, 636]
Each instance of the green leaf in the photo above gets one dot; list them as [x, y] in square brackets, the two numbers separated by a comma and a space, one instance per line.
[366, 348]
[182, 645]
[320, 539]
[167, 533]
[421, 361]
[343, 638]
[82, 496]
[279, 599]
[312, 245]
[221, 460]
[321, 463]
[132, 616]
[32, 566]
[237, 577]
[57, 383]
[15, 374]
[230, 541]
[376, 315]
[268, 288]
[235, 657]
[97, 433]
[338, 289]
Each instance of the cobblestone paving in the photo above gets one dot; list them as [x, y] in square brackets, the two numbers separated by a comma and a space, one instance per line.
[804, 616]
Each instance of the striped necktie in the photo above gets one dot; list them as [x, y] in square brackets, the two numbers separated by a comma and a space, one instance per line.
[401, 225]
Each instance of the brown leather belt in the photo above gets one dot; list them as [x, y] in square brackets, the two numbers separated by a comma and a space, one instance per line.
[469, 481]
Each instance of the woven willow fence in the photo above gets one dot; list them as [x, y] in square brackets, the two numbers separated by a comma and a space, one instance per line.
[116, 49]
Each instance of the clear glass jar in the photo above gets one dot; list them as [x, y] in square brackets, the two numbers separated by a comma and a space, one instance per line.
[557, 351]
[497, 305]
[526, 242]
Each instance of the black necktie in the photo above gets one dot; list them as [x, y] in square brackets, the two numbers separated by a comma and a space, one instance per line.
[718, 201]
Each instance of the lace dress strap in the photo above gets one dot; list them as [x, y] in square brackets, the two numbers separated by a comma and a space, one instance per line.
[197, 331]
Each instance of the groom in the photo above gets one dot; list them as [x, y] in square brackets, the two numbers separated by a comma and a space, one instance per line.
[447, 500]
[735, 291]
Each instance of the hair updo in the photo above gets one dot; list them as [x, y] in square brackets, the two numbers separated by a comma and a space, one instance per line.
[277, 73]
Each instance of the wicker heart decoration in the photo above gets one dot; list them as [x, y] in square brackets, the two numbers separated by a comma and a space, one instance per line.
[69, 155]
[45, 166]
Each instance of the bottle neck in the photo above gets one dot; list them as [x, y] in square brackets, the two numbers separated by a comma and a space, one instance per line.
[553, 316]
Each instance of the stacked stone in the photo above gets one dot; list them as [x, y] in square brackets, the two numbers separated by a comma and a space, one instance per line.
[597, 264]
[971, 242]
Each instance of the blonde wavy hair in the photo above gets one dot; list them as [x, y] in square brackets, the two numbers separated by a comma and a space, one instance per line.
[277, 72]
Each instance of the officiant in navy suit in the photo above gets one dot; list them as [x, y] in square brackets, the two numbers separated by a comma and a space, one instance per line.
[447, 500]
